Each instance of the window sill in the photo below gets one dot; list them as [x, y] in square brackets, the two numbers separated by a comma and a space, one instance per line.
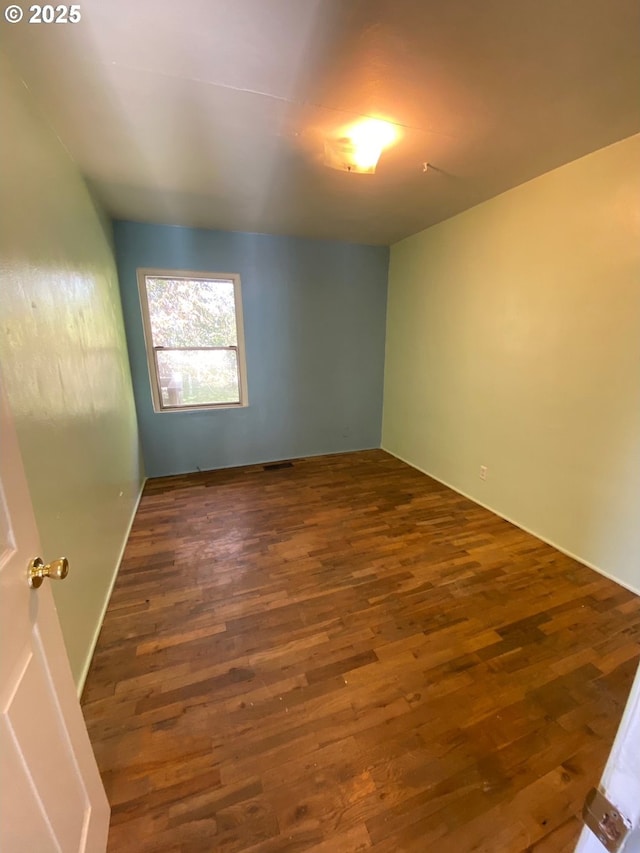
[200, 408]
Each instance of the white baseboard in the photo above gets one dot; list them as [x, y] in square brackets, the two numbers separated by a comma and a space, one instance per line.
[517, 524]
[94, 641]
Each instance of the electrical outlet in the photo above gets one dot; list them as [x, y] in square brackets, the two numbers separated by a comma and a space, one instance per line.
[483, 472]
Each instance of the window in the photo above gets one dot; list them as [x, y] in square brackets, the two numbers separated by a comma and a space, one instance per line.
[194, 338]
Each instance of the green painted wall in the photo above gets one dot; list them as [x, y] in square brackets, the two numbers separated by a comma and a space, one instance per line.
[64, 364]
[513, 341]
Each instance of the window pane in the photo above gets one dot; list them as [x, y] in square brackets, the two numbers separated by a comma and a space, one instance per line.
[191, 312]
[198, 377]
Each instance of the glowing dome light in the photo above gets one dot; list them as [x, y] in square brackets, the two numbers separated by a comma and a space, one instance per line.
[369, 138]
[361, 146]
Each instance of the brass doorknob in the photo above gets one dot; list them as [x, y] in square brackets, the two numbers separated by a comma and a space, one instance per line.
[56, 570]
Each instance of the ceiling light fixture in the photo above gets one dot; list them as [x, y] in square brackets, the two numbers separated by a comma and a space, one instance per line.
[360, 148]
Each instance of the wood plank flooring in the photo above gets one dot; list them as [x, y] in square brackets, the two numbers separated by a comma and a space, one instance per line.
[344, 655]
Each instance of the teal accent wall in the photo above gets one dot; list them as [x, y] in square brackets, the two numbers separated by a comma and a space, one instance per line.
[314, 321]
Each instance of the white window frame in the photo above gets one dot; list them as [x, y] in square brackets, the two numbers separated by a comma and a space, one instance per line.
[154, 378]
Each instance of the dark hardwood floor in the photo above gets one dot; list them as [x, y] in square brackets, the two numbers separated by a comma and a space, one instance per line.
[345, 655]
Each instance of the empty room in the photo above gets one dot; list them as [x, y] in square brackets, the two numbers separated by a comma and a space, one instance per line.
[320, 426]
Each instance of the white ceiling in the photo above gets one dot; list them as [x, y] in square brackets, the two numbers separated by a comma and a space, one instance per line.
[213, 112]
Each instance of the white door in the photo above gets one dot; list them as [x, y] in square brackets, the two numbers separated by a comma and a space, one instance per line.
[621, 778]
[51, 794]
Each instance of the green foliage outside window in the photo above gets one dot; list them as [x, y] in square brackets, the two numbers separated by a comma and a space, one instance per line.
[194, 314]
